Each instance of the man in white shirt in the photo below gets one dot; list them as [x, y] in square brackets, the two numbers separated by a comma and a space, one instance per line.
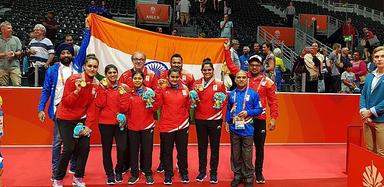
[52, 90]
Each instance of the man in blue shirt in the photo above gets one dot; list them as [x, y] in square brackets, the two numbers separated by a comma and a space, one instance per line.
[244, 58]
[243, 105]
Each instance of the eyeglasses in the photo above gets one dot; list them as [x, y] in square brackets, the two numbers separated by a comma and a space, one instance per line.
[138, 59]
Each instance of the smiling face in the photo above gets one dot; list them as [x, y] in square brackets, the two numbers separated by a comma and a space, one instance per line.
[138, 60]
[207, 71]
[90, 67]
[112, 75]
[177, 62]
[137, 80]
[254, 67]
[174, 78]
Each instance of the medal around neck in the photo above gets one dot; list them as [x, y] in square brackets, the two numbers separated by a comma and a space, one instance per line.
[200, 87]
[83, 83]
[104, 82]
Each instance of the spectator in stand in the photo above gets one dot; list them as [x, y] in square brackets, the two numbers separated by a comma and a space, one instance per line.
[51, 26]
[174, 32]
[349, 33]
[185, 5]
[335, 68]
[312, 64]
[257, 50]
[69, 40]
[174, 124]
[279, 68]
[234, 47]
[42, 53]
[371, 107]
[243, 106]
[325, 71]
[299, 70]
[359, 68]
[203, 5]
[226, 27]
[276, 42]
[92, 8]
[368, 35]
[10, 51]
[290, 12]
[244, 58]
[159, 29]
[208, 117]
[269, 60]
[103, 10]
[345, 58]
[348, 80]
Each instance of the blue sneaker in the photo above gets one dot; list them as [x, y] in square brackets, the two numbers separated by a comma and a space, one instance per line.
[133, 180]
[201, 177]
[213, 179]
[168, 180]
[185, 179]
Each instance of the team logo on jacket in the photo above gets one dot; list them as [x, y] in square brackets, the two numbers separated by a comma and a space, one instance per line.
[156, 66]
[372, 176]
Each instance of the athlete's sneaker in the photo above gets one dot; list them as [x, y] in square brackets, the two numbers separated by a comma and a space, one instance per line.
[111, 179]
[149, 179]
[57, 183]
[213, 179]
[201, 177]
[78, 182]
[168, 180]
[260, 178]
[119, 177]
[160, 169]
[133, 180]
[185, 179]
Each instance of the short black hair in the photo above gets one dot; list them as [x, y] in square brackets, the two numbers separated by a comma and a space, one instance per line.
[176, 55]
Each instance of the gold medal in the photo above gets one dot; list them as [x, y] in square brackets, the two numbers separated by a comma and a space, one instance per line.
[121, 90]
[200, 87]
[104, 82]
[83, 83]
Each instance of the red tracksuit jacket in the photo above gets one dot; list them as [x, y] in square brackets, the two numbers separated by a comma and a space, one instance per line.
[204, 109]
[186, 78]
[175, 105]
[264, 86]
[108, 104]
[150, 78]
[138, 116]
[74, 107]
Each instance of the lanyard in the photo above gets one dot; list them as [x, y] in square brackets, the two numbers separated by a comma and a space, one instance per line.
[244, 100]
[206, 84]
[61, 73]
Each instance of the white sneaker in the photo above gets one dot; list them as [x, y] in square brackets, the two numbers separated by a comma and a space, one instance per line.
[57, 183]
[78, 182]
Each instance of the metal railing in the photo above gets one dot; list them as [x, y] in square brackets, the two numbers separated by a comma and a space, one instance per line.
[303, 40]
[332, 22]
[289, 56]
[375, 15]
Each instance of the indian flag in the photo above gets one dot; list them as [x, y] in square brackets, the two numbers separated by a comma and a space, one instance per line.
[114, 43]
